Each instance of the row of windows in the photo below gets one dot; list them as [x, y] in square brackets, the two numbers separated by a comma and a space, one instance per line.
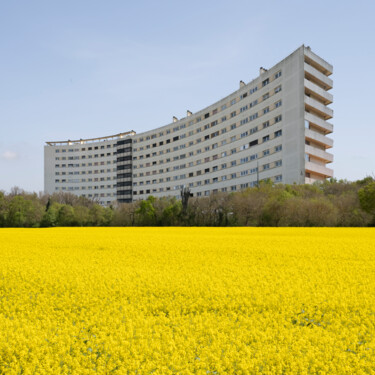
[75, 165]
[222, 166]
[245, 146]
[211, 147]
[84, 156]
[96, 195]
[277, 178]
[89, 187]
[96, 171]
[84, 148]
[216, 122]
[214, 111]
[245, 172]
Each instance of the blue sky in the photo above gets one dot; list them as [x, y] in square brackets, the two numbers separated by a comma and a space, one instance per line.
[82, 69]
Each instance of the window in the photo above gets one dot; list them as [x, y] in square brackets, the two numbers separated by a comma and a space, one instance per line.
[266, 96]
[233, 114]
[266, 110]
[266, 138]
[233, 102]
[254, 156]
[253, 143]
[278, 133]
[278, 163]
[253, 89]
[223, 166]
[266, 166]
[277, 89]
[278, 178]
[244, 134]
[266, 152]
[278, 119]
[266, 124]
[278, 148]
[244, 147]
[265, 82]
[278, 74]
[233, 126]
[278, 104]
[223, 107]
[242, 109]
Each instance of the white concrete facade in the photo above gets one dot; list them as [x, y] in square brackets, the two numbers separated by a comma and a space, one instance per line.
[273, 128]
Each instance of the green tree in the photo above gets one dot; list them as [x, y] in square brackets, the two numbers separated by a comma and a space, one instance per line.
[66, 216]
[146, 212]
[367, 199]
[3, 209]
[24, 211]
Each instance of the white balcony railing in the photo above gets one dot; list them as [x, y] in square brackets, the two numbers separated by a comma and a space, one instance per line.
[319, 154]
[318, 169]
[319, 92]
[325, 126]
[316, 60]
[319, 107]
[323, 80]
[318, 138]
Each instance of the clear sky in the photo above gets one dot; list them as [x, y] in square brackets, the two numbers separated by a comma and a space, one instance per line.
[86, 68]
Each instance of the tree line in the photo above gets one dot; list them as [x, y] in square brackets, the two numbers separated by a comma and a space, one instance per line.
[330, 203]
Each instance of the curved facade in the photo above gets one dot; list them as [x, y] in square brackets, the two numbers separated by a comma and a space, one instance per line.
[273, 128]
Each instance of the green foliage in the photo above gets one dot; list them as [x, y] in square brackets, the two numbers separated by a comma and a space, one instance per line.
[329, 203]
[66, 216]
[146, 212]
[367, 199]
[24, 211]
[3, 209]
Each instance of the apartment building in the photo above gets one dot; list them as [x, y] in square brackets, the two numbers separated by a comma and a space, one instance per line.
[272, 128]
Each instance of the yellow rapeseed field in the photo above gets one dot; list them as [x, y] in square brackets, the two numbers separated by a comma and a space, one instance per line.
[187, 301]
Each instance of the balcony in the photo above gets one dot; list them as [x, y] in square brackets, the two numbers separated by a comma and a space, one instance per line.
[319, 123]
[321, 139]
[316, 91]
[318, 108]
[311, 167]
[317, 77]
[318, 63]
[319, 154]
